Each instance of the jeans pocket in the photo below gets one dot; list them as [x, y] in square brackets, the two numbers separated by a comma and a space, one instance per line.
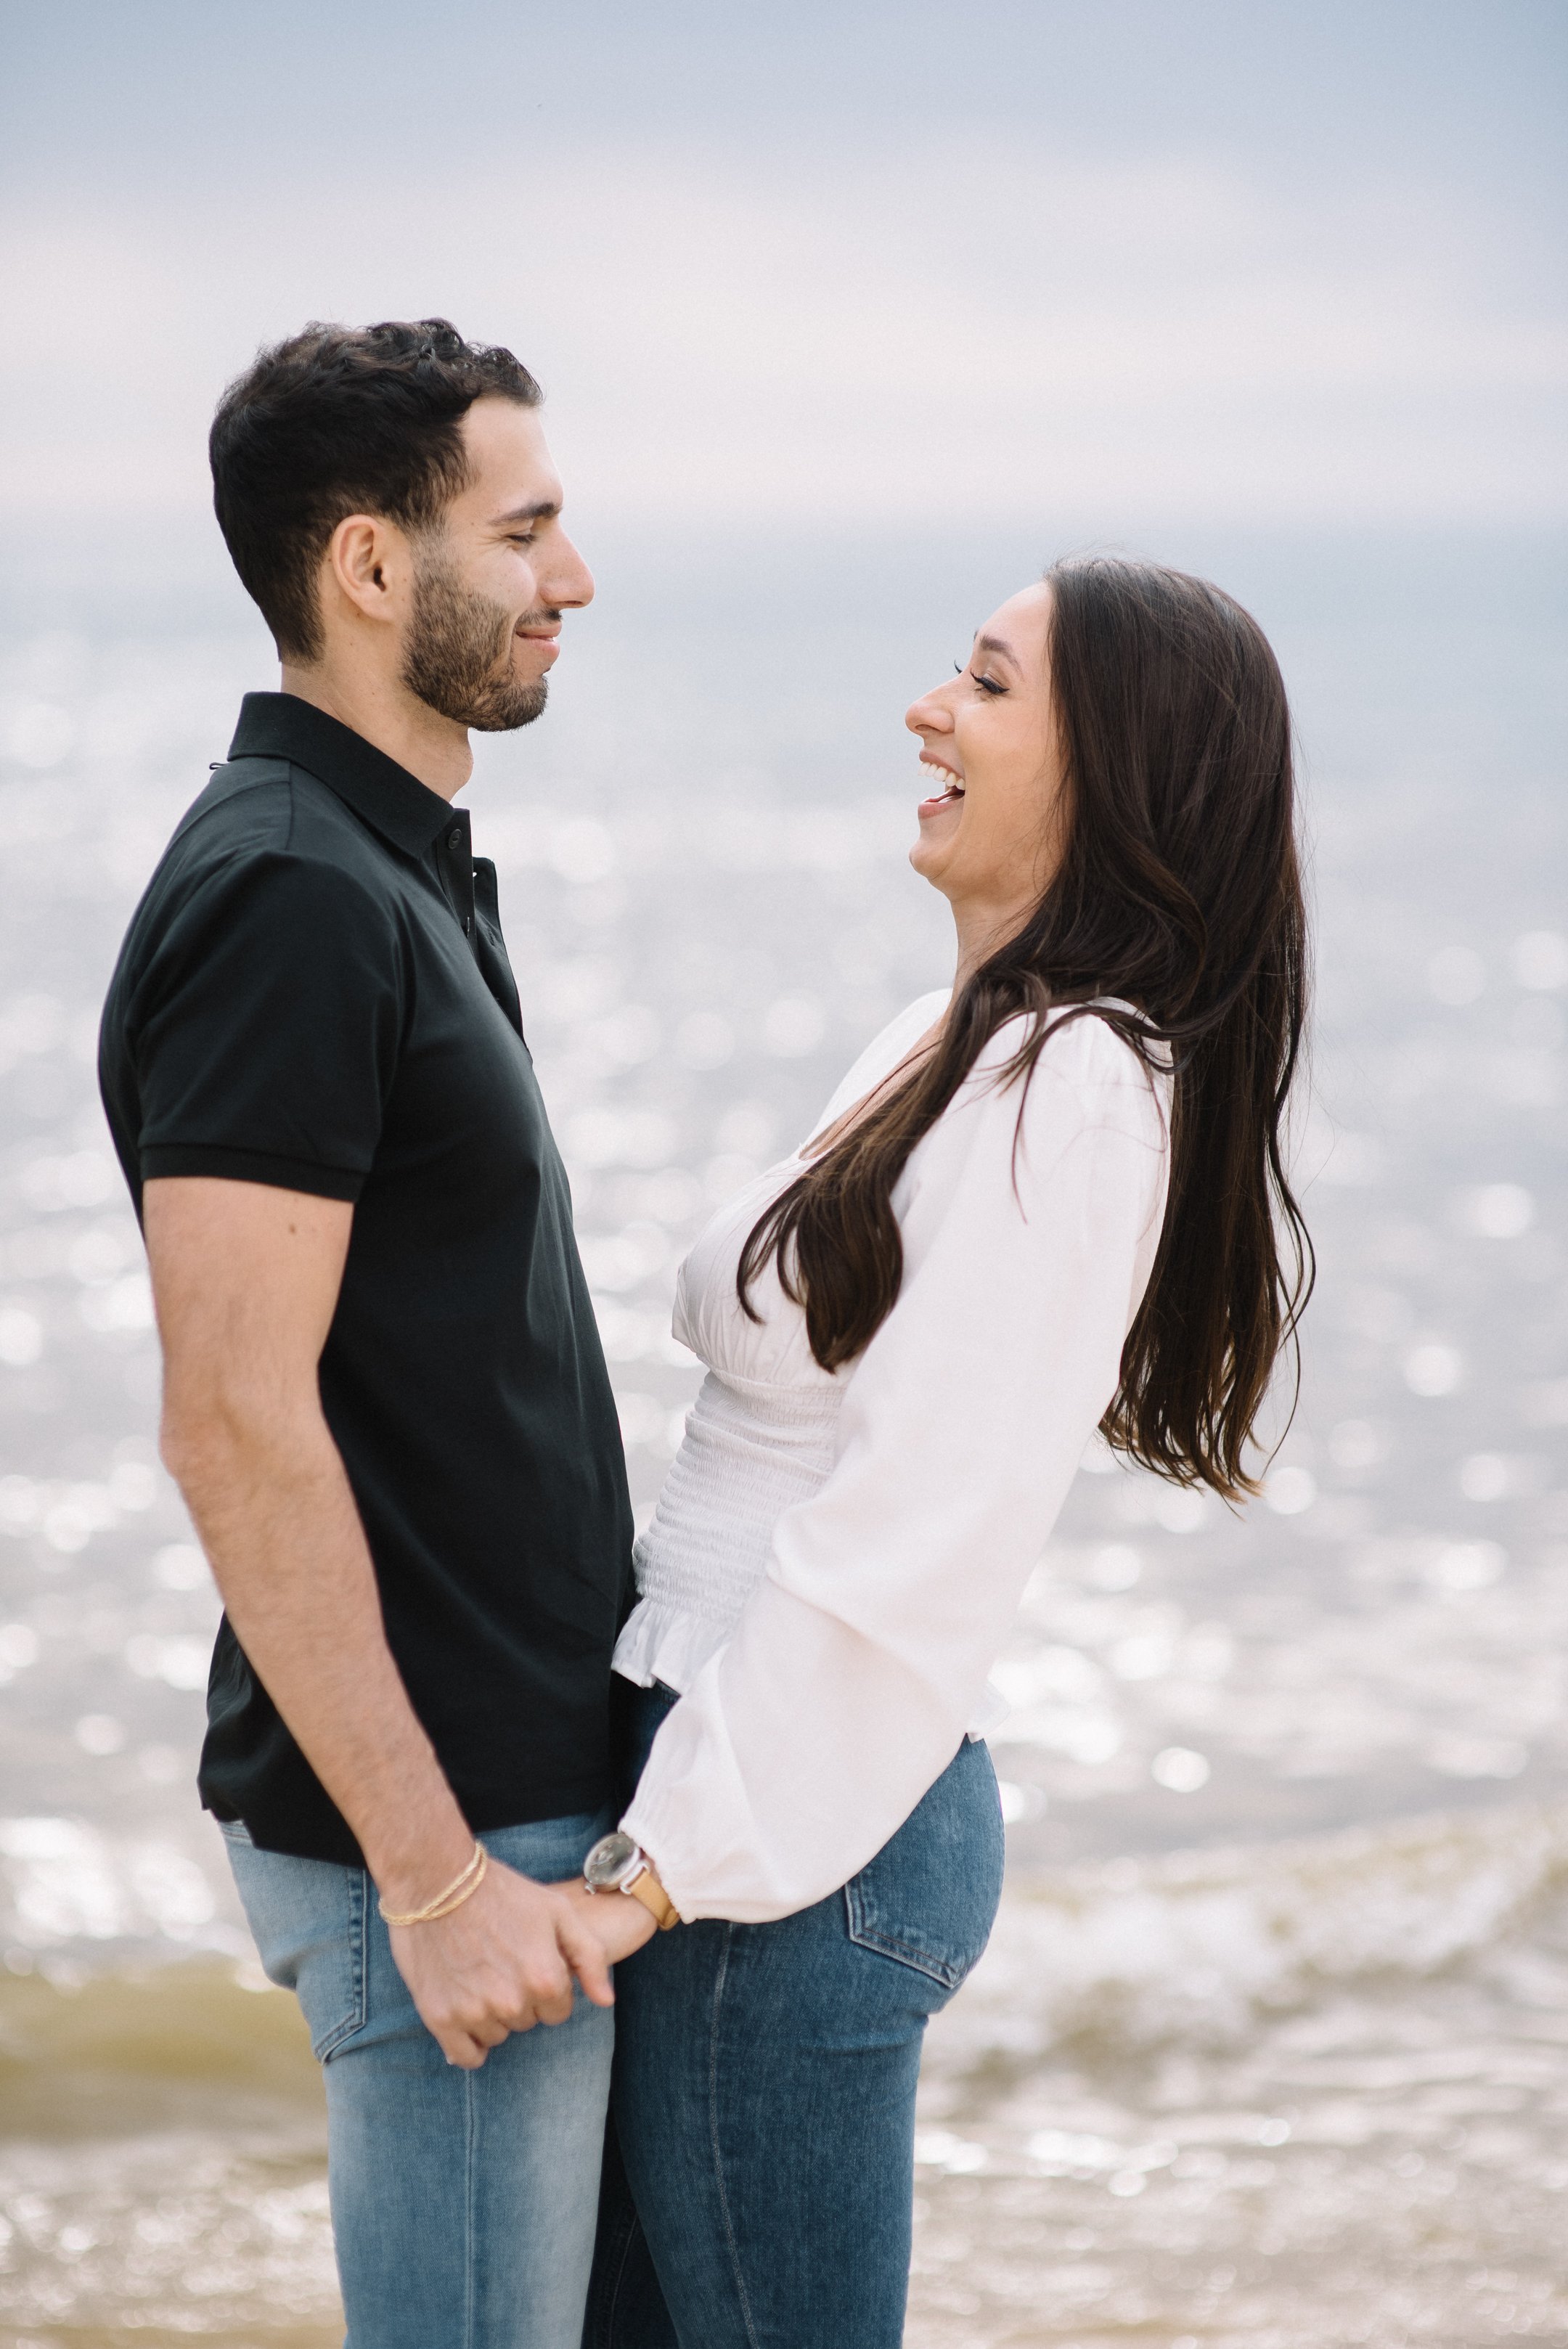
[310, 1920]
[929, 1899]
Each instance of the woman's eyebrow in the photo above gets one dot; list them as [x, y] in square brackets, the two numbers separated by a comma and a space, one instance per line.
[995, 645]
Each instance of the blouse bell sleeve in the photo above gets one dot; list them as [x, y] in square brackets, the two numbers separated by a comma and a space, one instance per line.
[861, 1658]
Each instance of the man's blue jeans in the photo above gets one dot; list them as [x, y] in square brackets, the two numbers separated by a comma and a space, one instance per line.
[759, 2174]
[463, 2202]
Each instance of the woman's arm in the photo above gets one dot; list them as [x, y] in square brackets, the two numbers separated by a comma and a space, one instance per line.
[860, 1661]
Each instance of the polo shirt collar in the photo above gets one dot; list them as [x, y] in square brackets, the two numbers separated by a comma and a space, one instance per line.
[392, 801]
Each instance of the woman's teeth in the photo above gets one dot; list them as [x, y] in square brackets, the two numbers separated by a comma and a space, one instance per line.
[948, 784]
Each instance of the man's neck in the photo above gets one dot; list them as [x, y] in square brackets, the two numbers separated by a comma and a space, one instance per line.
[419, 737]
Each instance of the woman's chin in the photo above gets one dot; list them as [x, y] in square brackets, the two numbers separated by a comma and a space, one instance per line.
[931, 859]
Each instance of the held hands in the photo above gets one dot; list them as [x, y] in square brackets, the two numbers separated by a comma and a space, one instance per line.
[617, 1923]
[505, 1959]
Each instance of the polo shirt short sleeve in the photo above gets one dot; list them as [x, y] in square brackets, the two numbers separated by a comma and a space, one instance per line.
[315, 993]
[270, 1044]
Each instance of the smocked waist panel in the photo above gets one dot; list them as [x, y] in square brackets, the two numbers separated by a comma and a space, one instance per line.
[748, 1454]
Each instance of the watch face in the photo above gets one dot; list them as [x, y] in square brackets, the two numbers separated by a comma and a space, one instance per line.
[609, 1863]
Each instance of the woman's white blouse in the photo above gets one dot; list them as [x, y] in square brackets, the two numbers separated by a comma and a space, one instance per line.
[836, 1560]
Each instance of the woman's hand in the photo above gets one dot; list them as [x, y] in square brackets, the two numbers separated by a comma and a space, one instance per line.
[620, 1924]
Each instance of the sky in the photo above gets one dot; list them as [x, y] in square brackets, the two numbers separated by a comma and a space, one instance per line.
[1104, 263]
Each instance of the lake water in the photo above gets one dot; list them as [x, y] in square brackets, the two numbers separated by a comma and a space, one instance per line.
[1271, 2049]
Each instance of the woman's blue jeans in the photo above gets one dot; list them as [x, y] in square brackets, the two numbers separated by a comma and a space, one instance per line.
[759, 2178]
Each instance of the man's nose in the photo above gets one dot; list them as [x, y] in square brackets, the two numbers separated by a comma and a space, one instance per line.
[571, 583]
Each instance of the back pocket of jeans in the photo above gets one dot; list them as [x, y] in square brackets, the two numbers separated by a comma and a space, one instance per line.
[310, 1919]
[928, 1898]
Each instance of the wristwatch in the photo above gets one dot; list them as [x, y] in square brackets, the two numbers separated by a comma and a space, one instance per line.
[618, 1864]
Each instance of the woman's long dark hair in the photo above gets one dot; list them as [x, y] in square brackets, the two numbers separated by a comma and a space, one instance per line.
[1179, 891]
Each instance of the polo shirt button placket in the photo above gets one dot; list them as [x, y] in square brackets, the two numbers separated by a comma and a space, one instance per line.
[456, 839]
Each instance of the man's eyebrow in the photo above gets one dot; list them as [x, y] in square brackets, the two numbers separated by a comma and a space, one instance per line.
[545, 510]
[994, 645]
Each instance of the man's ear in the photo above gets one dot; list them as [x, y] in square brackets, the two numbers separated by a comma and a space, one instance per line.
[368, 563]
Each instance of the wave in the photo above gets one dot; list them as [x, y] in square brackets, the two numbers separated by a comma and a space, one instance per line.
[1202, 1946]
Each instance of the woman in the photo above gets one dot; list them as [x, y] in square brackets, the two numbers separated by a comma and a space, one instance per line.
[1049, 1203]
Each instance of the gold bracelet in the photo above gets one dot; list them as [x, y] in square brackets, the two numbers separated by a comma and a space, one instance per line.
[462, 1887]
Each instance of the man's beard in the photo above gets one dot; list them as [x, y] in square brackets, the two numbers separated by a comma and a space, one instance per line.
[458, 658]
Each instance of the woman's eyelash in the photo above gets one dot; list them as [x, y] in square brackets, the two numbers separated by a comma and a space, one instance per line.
[990, 685]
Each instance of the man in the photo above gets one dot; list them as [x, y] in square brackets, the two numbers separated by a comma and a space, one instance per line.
[385, 1399]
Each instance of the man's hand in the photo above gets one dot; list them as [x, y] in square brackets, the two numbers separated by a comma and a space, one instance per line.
[502, 1962]
[616, 1923]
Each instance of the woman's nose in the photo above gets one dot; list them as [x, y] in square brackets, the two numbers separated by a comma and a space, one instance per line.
[928, 715]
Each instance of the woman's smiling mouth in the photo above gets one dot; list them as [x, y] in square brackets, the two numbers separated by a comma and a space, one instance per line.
[948, 795]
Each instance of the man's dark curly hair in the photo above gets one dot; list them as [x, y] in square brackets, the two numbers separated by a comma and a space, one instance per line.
[340, 420]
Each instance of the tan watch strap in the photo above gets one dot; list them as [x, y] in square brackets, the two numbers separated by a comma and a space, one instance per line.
[646, 1887]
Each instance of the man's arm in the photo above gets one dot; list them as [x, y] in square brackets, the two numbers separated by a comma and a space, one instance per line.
[245, 1278]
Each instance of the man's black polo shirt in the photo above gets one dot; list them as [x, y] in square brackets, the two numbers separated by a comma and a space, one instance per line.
[314, 993]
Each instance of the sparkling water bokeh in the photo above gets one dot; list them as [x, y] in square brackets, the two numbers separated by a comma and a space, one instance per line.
[1271, 2046]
